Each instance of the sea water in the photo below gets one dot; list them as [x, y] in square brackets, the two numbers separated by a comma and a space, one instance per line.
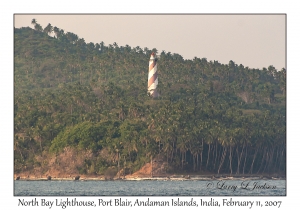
[151, 188]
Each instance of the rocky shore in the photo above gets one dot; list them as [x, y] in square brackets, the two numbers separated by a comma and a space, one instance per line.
[140, 178]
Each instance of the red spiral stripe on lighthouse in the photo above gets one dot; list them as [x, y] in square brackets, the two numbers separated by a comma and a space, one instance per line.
[152, 76]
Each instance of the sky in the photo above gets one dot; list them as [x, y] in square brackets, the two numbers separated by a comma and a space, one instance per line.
[255, 41]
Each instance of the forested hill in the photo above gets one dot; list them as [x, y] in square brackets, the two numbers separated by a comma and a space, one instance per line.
[83, 108]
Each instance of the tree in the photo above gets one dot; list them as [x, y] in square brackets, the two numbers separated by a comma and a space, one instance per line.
[88, 97]
[73, 38]
[38, 27]
[56, 31]
[48, 29]
[34, 22]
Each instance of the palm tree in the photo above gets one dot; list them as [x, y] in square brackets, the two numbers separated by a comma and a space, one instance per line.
[102, 46]
[48, 29]
[33, 22]
[81, 42]
[38, 27]
[60, 33]
[182, 146]
[56, 31]
[73, 38]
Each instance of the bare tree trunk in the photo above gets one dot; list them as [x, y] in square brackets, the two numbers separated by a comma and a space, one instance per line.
[124, 170]
[251, 168]
[194, 162]
[222, 159]
[119, 165]
[182, 160]
[40, 140]
[245, 160]
[201, 156]
[239, 159]
[151, 167]
[262, 160]
[172, 153]
[270, 162]
[277, 154]
[198, 162]
[267, 161]
[230, 159]
[207, 156]
[216, 155]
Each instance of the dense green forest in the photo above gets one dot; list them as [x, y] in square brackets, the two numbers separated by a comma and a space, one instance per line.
[83, 108]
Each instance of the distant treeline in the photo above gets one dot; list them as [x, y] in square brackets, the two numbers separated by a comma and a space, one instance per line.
[83, 108]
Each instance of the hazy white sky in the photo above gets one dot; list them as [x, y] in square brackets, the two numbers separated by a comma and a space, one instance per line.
[255, 41]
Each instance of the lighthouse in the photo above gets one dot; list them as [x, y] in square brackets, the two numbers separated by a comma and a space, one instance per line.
[152, 76]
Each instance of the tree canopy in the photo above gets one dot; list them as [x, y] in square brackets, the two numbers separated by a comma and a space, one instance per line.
[92, 98]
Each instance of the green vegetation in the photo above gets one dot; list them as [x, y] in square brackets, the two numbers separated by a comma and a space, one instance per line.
[85, 105]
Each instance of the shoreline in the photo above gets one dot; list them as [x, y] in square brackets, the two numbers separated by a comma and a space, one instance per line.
[154, 178]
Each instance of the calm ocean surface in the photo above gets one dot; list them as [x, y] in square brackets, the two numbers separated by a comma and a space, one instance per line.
[151, 188]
